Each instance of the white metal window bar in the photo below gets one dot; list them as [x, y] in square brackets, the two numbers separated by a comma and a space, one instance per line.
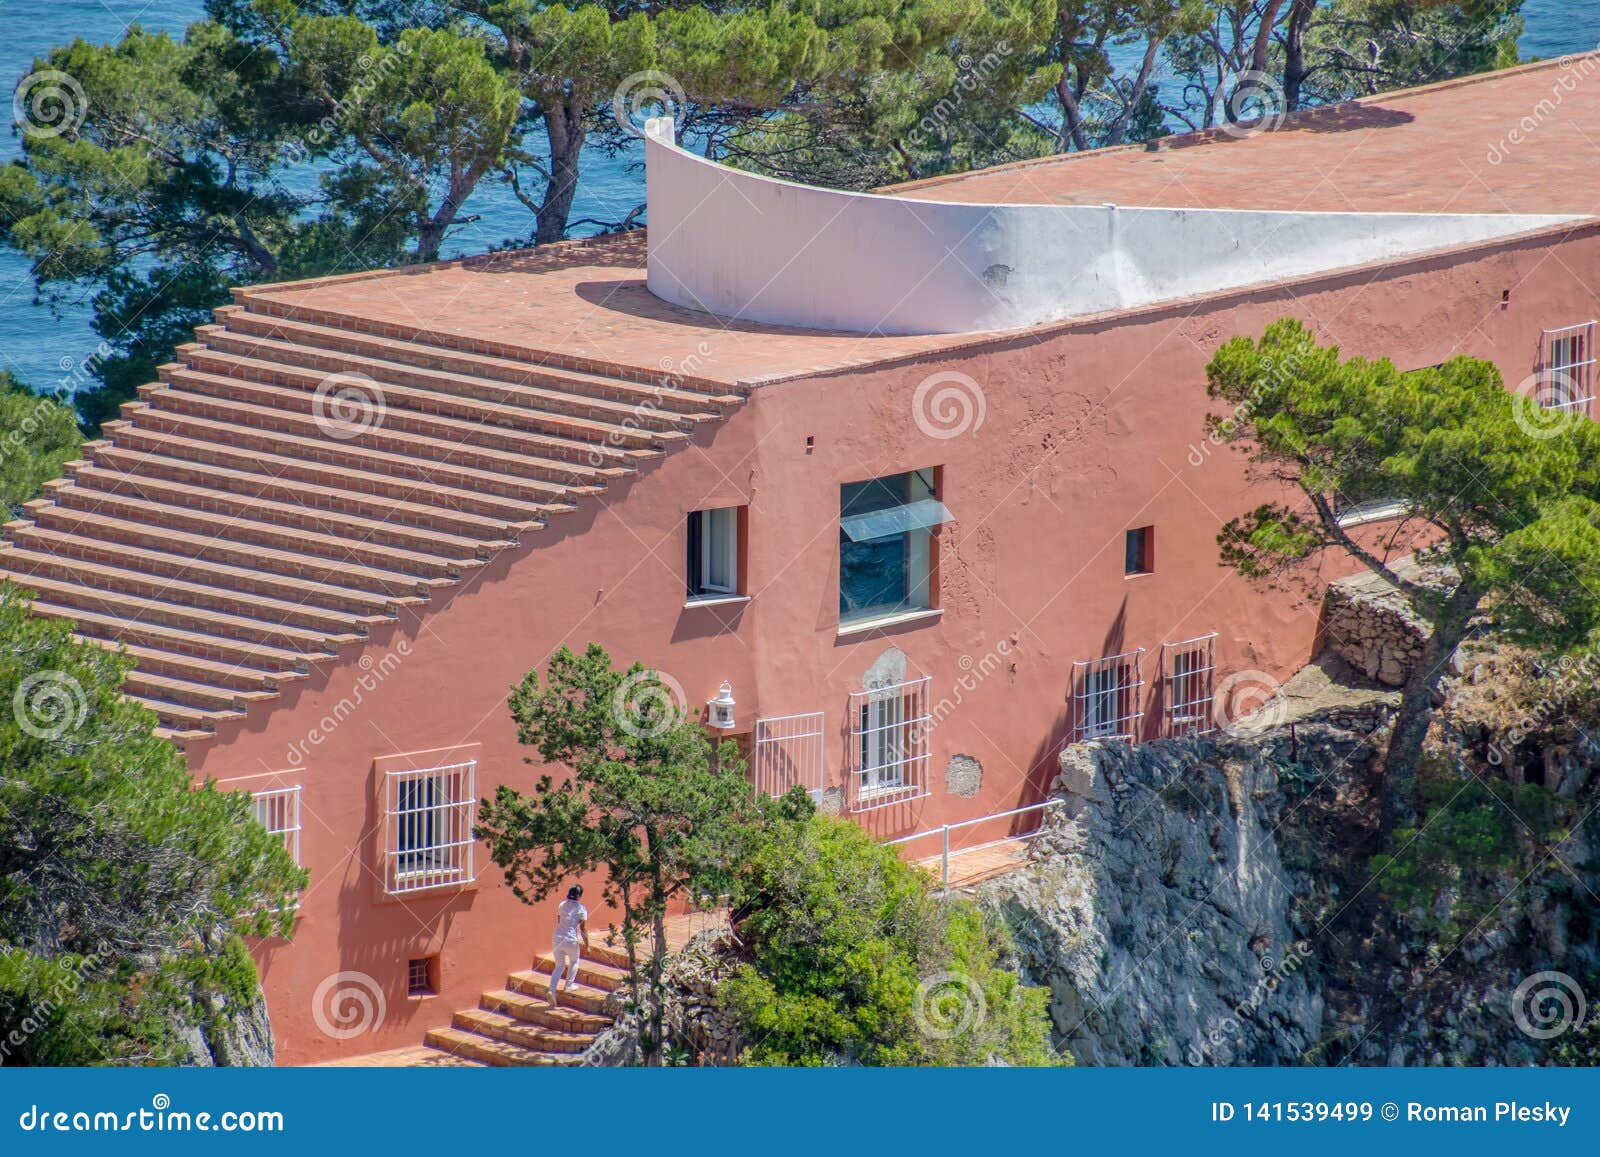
[1109, 696]
[278, 810]
[889, 744]
[1566, 382]
[430, 813]
[1189, 673]
[788, 754]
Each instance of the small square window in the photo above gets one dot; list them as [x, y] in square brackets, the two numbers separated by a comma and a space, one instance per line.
[714, 552]
[422, 976]
[1139, 556]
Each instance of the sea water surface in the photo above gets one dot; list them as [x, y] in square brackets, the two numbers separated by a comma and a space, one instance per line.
[46, 348]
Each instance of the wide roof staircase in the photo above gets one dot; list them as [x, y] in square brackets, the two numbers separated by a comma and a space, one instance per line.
[245, 519]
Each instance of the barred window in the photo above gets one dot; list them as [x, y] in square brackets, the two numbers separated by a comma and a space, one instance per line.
[278, 810]
[889, 733]
[429, 814]
[1189, 671]
[1109, 697]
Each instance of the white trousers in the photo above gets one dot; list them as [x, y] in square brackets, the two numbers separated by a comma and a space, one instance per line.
[566, 958]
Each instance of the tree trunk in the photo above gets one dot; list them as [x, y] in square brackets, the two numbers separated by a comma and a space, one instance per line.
[1415, 715]
[1294, 62]
[566, 132]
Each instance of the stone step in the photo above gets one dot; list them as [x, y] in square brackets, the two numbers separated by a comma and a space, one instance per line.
[518, 1032]
[390, 508]
[23, 564]
[413, 1057]
[309, 515]
[157, 636]
[535, 1009]
[148, 685]
[314, 449]
[656, 391]
[252, 683]
[473, 400]
[182, 717]
[488, 1051]
[490, 379]
[256, 302]
[241, 530]
[134, 443]
[165, 539]
[590, 971]
[438, 439]
[581, 996]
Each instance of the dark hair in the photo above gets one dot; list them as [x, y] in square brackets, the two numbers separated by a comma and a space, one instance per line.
[575, 892]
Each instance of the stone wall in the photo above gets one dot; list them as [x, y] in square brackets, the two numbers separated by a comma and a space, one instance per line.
[1371, 626]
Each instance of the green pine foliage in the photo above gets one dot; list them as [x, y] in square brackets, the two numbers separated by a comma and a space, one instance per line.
[124, 887]
[36, 436]
[855, 960]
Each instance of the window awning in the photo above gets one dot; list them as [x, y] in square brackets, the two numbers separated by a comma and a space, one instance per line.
[892, 520]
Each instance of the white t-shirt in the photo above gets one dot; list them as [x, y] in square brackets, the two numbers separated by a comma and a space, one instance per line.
[569, 916]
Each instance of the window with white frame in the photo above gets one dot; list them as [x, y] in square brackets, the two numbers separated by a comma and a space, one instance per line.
[429, 815]
[278, 810]
[1566, 378]
[1109, 697]
[889, 741]
[1189, 671]
[714, 552]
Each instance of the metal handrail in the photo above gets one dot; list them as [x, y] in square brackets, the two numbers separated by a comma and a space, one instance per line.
[945, 830]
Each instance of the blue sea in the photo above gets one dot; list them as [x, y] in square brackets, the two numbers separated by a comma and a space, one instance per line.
[36, 343]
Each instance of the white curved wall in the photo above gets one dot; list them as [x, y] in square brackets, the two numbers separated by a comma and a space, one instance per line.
[749, 247]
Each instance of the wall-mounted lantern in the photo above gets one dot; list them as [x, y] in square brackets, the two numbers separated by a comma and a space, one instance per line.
[719, 711]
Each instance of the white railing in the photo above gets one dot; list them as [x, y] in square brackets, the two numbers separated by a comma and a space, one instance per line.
[429, 814]
[789, 753]
[944, 834]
